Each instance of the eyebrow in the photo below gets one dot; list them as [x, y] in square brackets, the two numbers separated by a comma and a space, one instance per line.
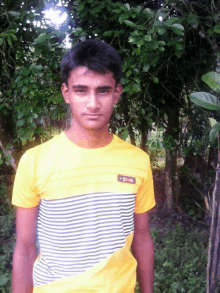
[79, 86]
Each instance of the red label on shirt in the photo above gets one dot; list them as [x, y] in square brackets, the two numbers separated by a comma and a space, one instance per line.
[126, 179]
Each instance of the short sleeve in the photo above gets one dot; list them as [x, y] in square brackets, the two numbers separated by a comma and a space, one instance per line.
[24, 193]
[145, 197]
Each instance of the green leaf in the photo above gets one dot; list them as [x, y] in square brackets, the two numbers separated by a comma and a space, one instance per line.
[149, 12]
[136, 88]
[34, 115]
[118, 116]
[20, 83]
[171, 43]
[78, 30]
[140, 42]
[1, 41]
[179, 46]
[217, 29]
[24, 90]
[171, 20]
[18, 79]
[127, 6]
[129, 23]
[108, 34]
[153, 61]
[20, 115]
[214, 132]
[125, 134]
[161, 43]
[147, 38]
[177, 26]
[143, 112]
[117, 10]
[80, 7]
[14, 13]
[205, 100]
[212, 79]
[128, 73]
[146, 67]
[39, 67]
[212, 121]
[138, 9]
[4, 278]
[9, 41]
[20, 122]
[177, 29]
[13, 37]
[161, 31]
[30, 119]
[156, 80]
[132, 40]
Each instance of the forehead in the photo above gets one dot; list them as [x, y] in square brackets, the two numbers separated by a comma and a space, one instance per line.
[84, 76]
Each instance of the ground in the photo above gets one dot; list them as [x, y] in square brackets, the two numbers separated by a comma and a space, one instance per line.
[159, 221]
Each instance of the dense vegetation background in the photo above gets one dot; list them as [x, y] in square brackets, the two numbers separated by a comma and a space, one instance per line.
[166, 47]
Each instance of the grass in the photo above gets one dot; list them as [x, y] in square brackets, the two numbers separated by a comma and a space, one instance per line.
[7, 244]
[180, 260]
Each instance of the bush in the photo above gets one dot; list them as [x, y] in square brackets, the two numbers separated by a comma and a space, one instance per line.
[7, 244]
[180, 261]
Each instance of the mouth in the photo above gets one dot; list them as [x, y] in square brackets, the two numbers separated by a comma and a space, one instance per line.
[92, 116]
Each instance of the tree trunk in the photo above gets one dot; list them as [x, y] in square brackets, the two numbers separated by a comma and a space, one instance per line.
[143, 143]
[175, 176]
[168, 205]
[128, 122]
[5, 138]
[132, 135]
[172, 183]
[214, 239]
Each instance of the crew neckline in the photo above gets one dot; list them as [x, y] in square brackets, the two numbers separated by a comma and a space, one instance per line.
[82, 149]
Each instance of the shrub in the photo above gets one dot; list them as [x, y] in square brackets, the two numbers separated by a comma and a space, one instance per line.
[180, 260]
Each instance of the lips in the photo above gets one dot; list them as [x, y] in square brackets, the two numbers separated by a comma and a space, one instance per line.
[92, 116]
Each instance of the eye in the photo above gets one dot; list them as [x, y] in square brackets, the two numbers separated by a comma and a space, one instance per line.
[103, 91]
[80, 91]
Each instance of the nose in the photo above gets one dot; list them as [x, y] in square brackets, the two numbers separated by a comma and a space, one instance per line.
[93, 101]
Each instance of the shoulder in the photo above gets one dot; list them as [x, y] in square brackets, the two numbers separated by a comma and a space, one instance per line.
[46, 149]
[131, 150]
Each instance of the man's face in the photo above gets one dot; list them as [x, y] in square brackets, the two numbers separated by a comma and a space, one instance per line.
[91, 97]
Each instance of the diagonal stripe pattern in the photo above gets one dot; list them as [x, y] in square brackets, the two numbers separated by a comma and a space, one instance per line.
[78, 232]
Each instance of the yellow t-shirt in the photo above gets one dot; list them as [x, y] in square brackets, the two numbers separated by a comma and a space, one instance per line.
[86, 200]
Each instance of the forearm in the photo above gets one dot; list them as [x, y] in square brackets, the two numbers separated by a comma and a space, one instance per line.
[22, 270]
[144, 254]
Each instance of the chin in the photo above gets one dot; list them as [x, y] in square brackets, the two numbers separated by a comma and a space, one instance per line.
[95, 127]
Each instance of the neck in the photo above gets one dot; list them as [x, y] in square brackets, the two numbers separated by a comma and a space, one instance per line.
[89, 138]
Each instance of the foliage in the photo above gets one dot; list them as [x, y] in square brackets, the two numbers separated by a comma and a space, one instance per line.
[166, 46]
[5, 205]
[153, 50]
[180, 260]
[7, 243]
[208, 100]
[29, 81]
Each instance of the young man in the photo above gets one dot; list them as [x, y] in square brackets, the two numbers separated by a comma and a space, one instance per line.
[87, 191]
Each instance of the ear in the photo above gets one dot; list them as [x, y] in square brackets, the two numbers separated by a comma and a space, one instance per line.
[65, 93]
[118, 92]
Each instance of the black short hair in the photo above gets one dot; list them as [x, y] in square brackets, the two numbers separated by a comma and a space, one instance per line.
[96, 55]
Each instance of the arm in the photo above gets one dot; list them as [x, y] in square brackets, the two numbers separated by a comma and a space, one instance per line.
[25, 252]
[143, 251]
